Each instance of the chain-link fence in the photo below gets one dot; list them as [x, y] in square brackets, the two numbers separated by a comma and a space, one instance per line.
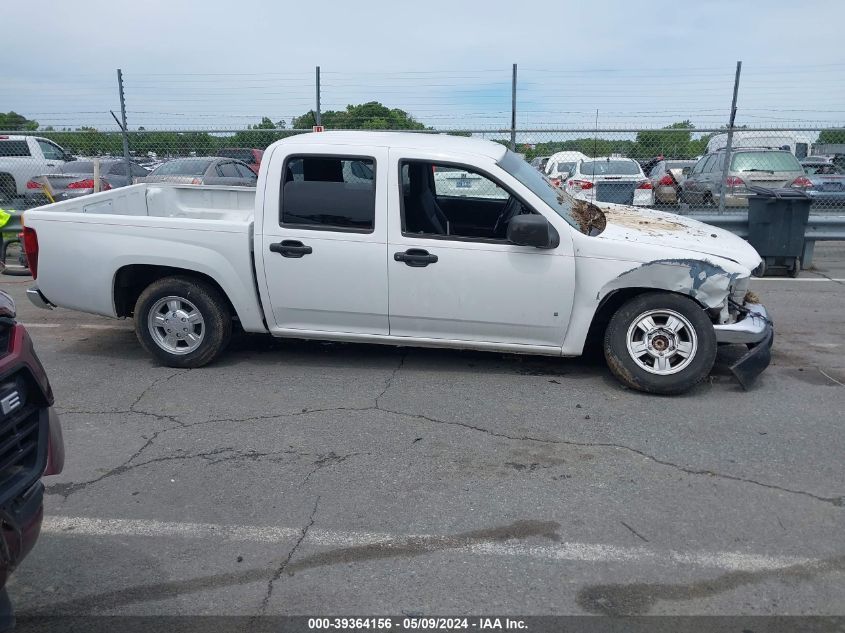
[676, 169]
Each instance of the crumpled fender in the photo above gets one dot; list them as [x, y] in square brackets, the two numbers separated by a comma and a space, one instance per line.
[704, 281]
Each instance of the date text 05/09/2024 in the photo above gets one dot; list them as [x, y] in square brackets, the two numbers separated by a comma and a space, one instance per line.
[410, 623]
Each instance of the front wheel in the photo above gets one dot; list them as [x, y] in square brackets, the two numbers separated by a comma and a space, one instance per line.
[183, 322]
[660, 343]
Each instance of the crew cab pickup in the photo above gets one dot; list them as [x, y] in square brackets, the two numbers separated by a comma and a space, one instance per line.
[25, 157]
[404, 239]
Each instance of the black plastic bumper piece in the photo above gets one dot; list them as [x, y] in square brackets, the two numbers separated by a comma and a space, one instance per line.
[755, 360]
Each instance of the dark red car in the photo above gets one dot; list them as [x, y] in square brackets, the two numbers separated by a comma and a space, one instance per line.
[251, 157]
[30, 446]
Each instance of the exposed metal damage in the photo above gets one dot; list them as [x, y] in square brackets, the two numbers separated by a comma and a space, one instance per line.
[702, 280]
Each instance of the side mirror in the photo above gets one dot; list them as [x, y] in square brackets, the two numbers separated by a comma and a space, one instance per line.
[686, 171]
[532, 230]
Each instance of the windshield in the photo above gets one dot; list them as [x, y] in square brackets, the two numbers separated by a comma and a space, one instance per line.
[189, 167]
[610, 167]
[766, 161]
[539, 185]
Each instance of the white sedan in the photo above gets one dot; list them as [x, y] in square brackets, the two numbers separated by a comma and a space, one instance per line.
[607, 179]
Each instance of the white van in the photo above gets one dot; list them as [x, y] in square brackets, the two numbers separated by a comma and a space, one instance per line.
[560, 165]
[798, 143]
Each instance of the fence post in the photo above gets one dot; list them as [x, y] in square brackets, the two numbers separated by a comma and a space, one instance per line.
[124, 129]
[317, 118]
[513, 109]
[729, 141]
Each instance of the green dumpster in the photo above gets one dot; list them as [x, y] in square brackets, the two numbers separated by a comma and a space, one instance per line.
[777, 221]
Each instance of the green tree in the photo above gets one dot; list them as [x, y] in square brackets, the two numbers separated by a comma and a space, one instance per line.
[672, 141]
[14, 121]
[366, 116]
[832, 135]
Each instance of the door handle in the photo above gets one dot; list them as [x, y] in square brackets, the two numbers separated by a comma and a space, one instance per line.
[415, 257]
[290, 248]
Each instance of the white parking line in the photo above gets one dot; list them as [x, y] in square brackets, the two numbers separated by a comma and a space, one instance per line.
[756, 279]
[558, 551]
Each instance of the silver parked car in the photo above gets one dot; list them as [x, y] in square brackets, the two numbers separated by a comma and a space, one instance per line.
[76, 178]
[757, 166]
[666, 177]
[211, 170]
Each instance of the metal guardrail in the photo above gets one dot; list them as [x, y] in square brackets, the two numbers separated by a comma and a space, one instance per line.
[819, 228]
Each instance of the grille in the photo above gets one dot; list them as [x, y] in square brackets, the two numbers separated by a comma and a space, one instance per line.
[23, 449]
[617, 192]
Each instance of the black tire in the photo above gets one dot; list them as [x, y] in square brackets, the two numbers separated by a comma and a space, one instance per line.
[629, 372]
[209, 302]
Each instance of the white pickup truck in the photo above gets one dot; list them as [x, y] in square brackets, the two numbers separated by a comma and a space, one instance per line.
[25, 157]
[404, 239]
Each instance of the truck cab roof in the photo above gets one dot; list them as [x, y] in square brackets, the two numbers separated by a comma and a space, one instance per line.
[407, 140]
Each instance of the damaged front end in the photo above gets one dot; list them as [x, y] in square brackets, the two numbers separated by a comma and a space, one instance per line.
[738, 317]
[751, 327]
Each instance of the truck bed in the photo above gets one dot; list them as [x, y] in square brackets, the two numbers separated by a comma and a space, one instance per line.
[84, 243]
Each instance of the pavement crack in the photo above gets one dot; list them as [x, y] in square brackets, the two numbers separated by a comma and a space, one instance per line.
[835, 501]
[133, 408]
[389, 381]
[828, 277]
[633, 531]
[281, 569]
[69, 488]
[327, 459]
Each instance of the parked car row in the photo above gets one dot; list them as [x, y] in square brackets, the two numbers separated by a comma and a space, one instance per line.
[661, 181]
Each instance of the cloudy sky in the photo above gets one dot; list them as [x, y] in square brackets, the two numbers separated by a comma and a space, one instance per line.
[222, 64]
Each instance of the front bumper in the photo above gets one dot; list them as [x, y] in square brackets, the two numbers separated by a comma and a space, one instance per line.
[755, 331]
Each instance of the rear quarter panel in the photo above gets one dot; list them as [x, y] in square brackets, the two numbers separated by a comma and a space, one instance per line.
[80, 254]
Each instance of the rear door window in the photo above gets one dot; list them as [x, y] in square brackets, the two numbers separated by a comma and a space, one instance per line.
[330, 193]
[229, 170]
[50, 151]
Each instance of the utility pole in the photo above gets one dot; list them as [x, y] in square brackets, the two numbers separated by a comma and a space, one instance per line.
[729, 142]
[123, 125]
[513, 109]
[317, 118]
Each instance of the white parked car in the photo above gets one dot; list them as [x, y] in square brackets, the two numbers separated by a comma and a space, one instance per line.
[607, 179]
[404, 258]
[560, 165]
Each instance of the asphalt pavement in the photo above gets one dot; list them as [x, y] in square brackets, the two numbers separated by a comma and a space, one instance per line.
[311, 478]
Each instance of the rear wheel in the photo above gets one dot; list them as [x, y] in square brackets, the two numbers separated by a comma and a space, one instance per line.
[660, 343]
[183, 322]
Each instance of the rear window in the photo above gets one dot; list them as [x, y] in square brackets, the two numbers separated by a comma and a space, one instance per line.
[14, 148]
[190, 167]
[564, 168]
[332, 193]
[766, 161]
[241, 154]
[610, 167]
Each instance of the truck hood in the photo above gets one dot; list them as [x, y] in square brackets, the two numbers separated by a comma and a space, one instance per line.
[633, 225]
